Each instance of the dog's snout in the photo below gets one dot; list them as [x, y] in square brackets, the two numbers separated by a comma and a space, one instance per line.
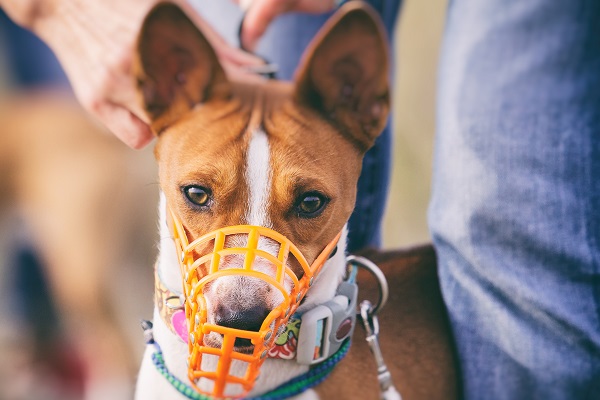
[250, 319]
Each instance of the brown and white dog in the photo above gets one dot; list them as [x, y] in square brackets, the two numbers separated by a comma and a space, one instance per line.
[282, 155]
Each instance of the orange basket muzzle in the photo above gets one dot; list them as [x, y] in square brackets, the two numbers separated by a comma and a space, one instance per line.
[222, 371]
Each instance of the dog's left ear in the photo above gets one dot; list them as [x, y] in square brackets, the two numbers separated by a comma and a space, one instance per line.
[175, 66]
[344, 73]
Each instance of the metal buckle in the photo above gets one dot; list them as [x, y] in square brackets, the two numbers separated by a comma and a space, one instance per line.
[370, 266]
[169, 302]
[324, 329]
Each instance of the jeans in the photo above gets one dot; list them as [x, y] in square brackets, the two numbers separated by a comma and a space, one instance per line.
[283, 44]
[515, 210]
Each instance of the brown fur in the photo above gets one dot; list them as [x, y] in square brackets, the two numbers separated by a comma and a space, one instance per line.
[415, 336]
[215, 149]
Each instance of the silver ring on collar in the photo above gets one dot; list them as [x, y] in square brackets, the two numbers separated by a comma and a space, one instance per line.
[169, 303]
[370, 266]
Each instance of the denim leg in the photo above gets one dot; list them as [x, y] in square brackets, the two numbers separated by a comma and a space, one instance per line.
[515, 212]
[283, 44]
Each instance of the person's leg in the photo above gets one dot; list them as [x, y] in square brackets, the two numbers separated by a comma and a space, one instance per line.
[283, 44]
[515, 213]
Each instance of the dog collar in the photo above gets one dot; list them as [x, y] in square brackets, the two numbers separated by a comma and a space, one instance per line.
[295, 386]
[310, 338]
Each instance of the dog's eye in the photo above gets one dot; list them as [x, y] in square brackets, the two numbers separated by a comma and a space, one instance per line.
[197, 195]
[311, 204]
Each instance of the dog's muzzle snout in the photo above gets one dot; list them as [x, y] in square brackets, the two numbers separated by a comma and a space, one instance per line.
[250, 319]
[248, 329]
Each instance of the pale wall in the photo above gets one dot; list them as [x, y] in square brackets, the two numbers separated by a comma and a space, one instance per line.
[417, 44]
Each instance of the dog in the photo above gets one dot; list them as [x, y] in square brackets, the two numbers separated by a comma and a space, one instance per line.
[282, 158]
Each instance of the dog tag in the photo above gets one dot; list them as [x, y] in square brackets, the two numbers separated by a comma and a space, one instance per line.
[179, 323]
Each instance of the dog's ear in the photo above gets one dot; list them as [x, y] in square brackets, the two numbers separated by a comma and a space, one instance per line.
[344, 73]
[175, 66]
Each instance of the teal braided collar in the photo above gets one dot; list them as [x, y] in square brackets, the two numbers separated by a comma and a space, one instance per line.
[315, 375]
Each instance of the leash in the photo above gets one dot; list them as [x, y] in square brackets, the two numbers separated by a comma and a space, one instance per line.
[368, 316]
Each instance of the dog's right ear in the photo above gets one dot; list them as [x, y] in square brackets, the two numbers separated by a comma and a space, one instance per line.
[175, 67]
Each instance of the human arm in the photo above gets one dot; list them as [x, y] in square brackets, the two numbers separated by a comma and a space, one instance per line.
[94, 41]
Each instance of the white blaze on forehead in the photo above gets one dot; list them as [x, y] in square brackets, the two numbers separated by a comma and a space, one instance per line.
[258, 177]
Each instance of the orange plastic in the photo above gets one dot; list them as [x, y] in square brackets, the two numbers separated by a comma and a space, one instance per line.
[195, 305]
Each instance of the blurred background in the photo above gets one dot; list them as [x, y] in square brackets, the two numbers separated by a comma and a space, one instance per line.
[78, 217]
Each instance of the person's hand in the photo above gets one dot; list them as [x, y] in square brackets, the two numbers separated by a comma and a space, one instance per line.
[260, 13]
[94, 42]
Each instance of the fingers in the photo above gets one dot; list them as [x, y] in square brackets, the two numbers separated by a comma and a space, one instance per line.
[261, 13]
[238, 74]
[258, 17]
[233, 60]
[235, 56]
[111, 96]
[130, 129]
[119, 112]
[229, 56]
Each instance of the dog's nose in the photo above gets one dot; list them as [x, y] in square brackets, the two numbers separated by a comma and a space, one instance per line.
[249, 319]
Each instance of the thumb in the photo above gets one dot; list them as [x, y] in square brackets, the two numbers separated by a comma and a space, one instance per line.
[262, 12]
[258, 17]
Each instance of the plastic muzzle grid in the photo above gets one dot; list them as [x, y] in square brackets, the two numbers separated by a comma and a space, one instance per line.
[224, 384]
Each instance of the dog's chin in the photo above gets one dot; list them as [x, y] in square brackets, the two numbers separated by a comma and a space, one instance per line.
[215, 340]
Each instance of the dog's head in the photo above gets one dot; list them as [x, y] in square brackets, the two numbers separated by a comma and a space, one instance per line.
[281, 155]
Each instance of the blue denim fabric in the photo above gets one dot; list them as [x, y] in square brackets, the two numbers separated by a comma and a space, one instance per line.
[515, 213]
[283, 44]
[30, 62]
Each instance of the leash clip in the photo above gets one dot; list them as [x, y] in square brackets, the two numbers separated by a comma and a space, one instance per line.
[371, 325]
